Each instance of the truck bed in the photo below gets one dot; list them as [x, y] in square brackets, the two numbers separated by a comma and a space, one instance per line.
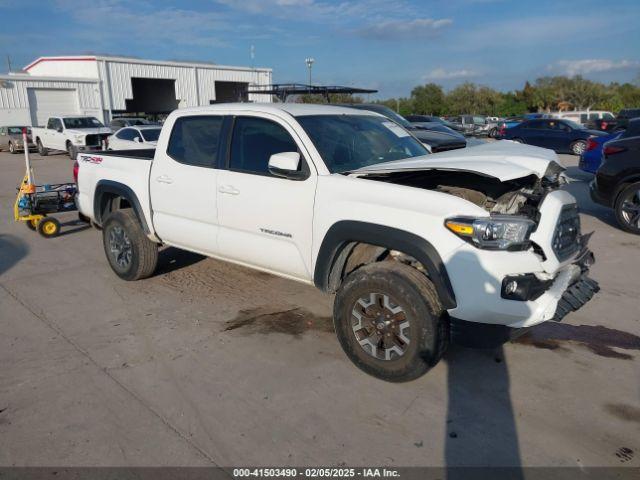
[128, 169]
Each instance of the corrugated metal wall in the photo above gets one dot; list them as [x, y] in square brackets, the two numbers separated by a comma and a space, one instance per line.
[194, 85]
[14, 98]
[13, 92]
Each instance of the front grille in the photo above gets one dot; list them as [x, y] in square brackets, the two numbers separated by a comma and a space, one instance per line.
[566, 237]
[95, 139]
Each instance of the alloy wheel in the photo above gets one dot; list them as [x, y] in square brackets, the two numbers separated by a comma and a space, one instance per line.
[380, 326]
[120, 247]
[631, 209]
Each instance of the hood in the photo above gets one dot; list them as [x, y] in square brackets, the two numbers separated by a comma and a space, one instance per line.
[504, 160]
[429, 136]
[88, 131]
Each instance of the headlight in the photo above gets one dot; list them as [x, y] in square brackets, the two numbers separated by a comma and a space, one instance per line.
[499, 232]
[79, 138]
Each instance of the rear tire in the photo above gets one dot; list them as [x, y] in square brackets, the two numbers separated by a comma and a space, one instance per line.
[517, 140]
[43, 152]
[627, 208]
[131, 255]
[31, 225]
[389, 321]
[493, 133]
[12, 148]
[578, 147]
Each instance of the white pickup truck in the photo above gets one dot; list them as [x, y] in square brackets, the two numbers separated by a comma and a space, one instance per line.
[71, 134]
[471, 245]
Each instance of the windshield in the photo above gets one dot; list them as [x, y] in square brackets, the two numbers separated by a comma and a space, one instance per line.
[82, 122]
[151, 134]
[17, 130]
[350, 142]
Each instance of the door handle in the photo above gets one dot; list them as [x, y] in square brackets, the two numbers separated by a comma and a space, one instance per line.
[164, 179]
[229, 189]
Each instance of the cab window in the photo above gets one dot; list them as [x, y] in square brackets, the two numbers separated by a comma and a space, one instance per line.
[195, 140]
[254, 141]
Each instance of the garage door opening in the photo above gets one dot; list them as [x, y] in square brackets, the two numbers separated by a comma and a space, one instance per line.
[51, 102]
[231, 92]
[152, 95]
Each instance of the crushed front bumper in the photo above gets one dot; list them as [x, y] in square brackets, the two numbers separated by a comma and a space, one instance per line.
[576, 296]
[573, 287]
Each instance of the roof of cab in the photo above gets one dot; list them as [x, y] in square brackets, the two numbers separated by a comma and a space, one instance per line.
[294, 109]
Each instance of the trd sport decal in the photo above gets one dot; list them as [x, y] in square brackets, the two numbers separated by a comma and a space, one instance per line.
[95, 160]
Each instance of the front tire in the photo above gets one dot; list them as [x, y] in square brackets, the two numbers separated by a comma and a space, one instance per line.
[43, 152]
[517, 140]
[493, 133]
[627, 208]
[389, 321]
[12, 148]
[72, 151]
[578, 147]
[131, 255]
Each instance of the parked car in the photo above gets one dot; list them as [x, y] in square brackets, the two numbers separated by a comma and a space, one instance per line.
[508, 123]
[561, 136]
[471, 124]
[617, 181]
[591, 158]
[72, 134]
[436, 141]
[417, 248]
[617, 124]
[584, 117]
[135, 138]
[433, 119]
[120, 122]
[11, 139]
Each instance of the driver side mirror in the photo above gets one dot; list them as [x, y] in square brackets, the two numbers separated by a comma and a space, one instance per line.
[59, 129]
[137, 139]
[286, 165]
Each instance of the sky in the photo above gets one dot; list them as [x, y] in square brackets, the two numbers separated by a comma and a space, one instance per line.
[389, 45]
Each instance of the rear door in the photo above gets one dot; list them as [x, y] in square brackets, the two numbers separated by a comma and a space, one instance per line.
[532, 133]
[266, 221]
[183, 183]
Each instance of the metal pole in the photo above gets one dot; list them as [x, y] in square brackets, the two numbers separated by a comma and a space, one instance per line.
[9, 63]
[309, 61]
[27, 160]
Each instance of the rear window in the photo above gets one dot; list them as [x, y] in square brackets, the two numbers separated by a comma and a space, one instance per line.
[151, 134]
[194, 140]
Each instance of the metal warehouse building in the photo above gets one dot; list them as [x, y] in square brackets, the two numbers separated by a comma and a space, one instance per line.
[110, 86]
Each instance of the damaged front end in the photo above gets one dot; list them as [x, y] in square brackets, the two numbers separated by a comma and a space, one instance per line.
[519, 196]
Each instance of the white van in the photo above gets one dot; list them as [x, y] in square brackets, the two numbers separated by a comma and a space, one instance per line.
[584, 116]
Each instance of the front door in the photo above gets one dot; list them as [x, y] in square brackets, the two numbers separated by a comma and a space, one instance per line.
[265, 220]
[55, 138]
[183, 183]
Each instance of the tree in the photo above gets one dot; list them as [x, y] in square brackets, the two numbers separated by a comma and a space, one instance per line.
[333, 98]
[462, 99]
[428, 99]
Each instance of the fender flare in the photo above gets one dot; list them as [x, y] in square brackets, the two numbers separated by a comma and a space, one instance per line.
[121, 190]
[344, 232]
